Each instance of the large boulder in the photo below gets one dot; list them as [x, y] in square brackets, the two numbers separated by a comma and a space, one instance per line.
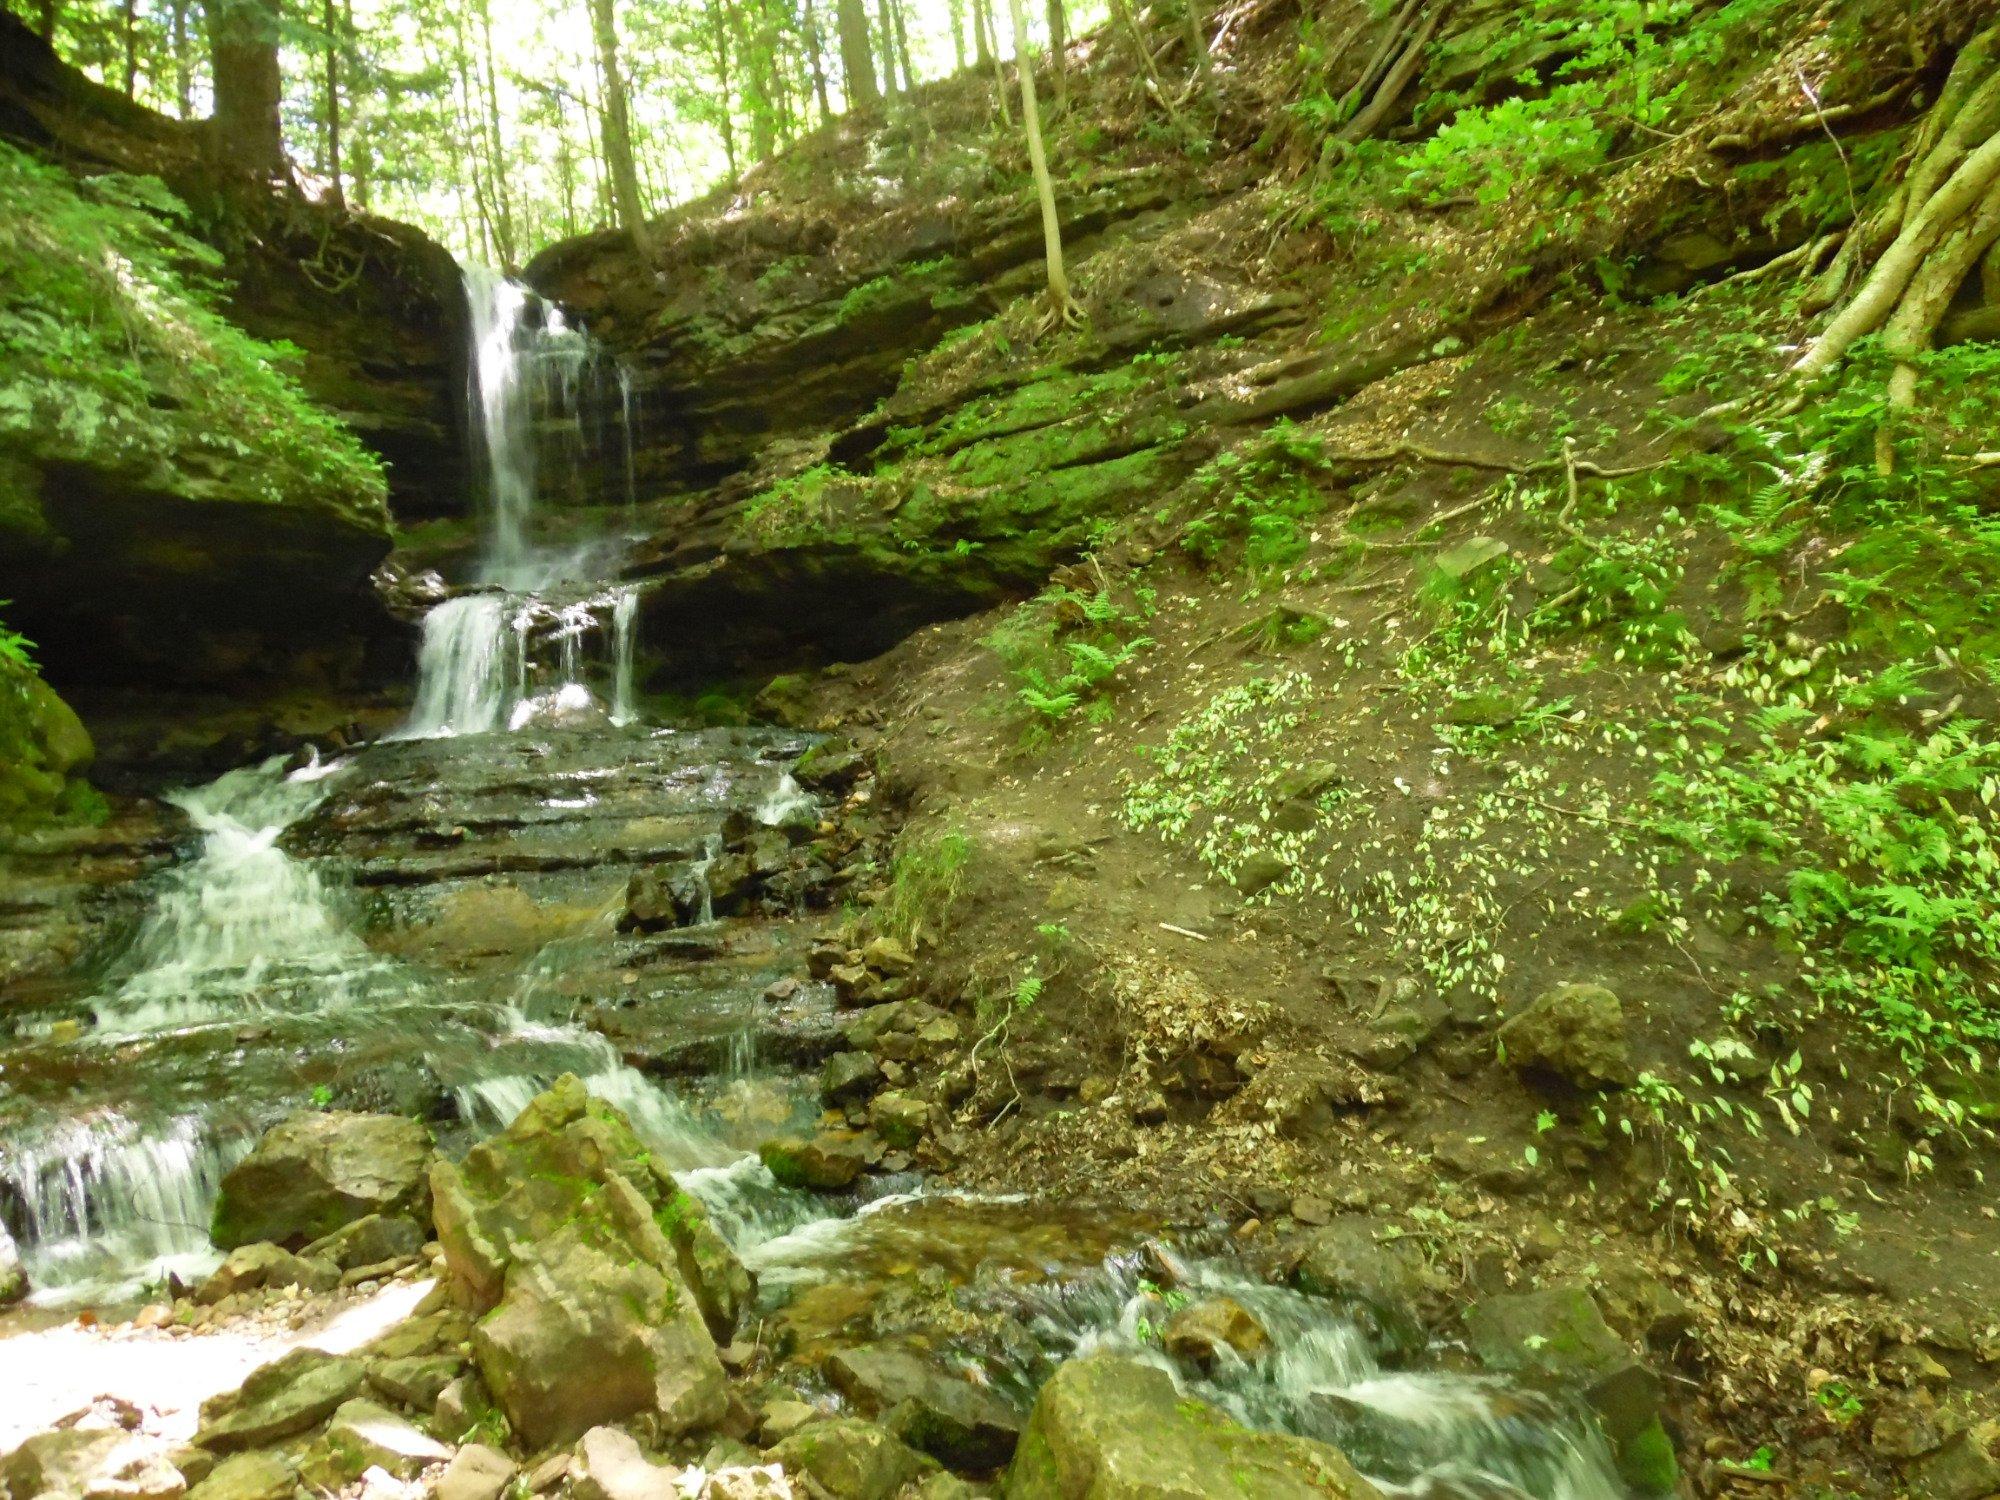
[91, 1463]
[317, 1171]
[1110, 1428]
[596, 1325]
[604, 1286]
[1557, 1335]
[959, 1423]
[1572, 1035]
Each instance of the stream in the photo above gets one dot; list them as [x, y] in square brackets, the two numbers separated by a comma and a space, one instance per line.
[429, 925]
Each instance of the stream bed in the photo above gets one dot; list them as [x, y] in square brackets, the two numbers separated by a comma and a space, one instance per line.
[436, 926]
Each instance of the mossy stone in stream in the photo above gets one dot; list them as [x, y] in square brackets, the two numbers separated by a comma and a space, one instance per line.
[596, 1326]
[538, 1174]
[1558, 1334]
[603, 1286]
[826, 1163]
[1647, 1463]
[1113, 1428]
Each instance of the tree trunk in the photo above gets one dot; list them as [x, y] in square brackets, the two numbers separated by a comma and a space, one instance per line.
[886, 30]
[332, 27]
[816, 61]
[130, 27]
[618, 127]
[1058, 50]
[47, 18]
[183, 61]
[903, 46]
[991, 46]
[857, 55]
[1062, 307]
[496, 154]
[982, 41]
[957, 36]
[246, 132]
[725, 119]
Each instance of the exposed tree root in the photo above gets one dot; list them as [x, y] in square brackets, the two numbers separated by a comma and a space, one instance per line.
[1408, 61]
[1064, 312]
[1939, 228]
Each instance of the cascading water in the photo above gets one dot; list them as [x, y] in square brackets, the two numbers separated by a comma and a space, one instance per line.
[112, 1202]
[242, 928]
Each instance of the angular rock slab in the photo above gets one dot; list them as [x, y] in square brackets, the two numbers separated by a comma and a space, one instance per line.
[602, 1284]
[297, 1391]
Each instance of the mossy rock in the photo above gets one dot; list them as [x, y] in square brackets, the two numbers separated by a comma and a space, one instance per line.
[1111, 1428]
[44, 750]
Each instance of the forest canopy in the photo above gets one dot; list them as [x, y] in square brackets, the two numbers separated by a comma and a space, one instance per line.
[494, 125]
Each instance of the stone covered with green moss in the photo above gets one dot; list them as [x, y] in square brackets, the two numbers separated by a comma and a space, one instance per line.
[44, 749]
[602, 1286]
[1116, 1429]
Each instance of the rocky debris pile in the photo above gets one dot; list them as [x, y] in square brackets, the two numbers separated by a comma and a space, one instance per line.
[776, 868]
[887, 1098]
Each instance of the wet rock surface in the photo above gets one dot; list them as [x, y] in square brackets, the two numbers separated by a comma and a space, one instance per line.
[316, 1173]
[1119, 1429]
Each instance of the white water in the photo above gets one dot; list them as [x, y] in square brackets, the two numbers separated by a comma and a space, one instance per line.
[106, 1204]
[242, 927]
[1417, 1432]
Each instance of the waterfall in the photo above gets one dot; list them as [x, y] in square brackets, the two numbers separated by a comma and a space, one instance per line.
[116, 1202]
[623, 612]
[550, 643]
[627, 405]
[470, 667]
[502, 416]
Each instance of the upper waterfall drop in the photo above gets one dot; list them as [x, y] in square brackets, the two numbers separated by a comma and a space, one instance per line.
[543, 637]
[501, 417]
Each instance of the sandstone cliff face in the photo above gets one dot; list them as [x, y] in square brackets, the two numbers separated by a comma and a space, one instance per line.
[189, 516]
[851, 424]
